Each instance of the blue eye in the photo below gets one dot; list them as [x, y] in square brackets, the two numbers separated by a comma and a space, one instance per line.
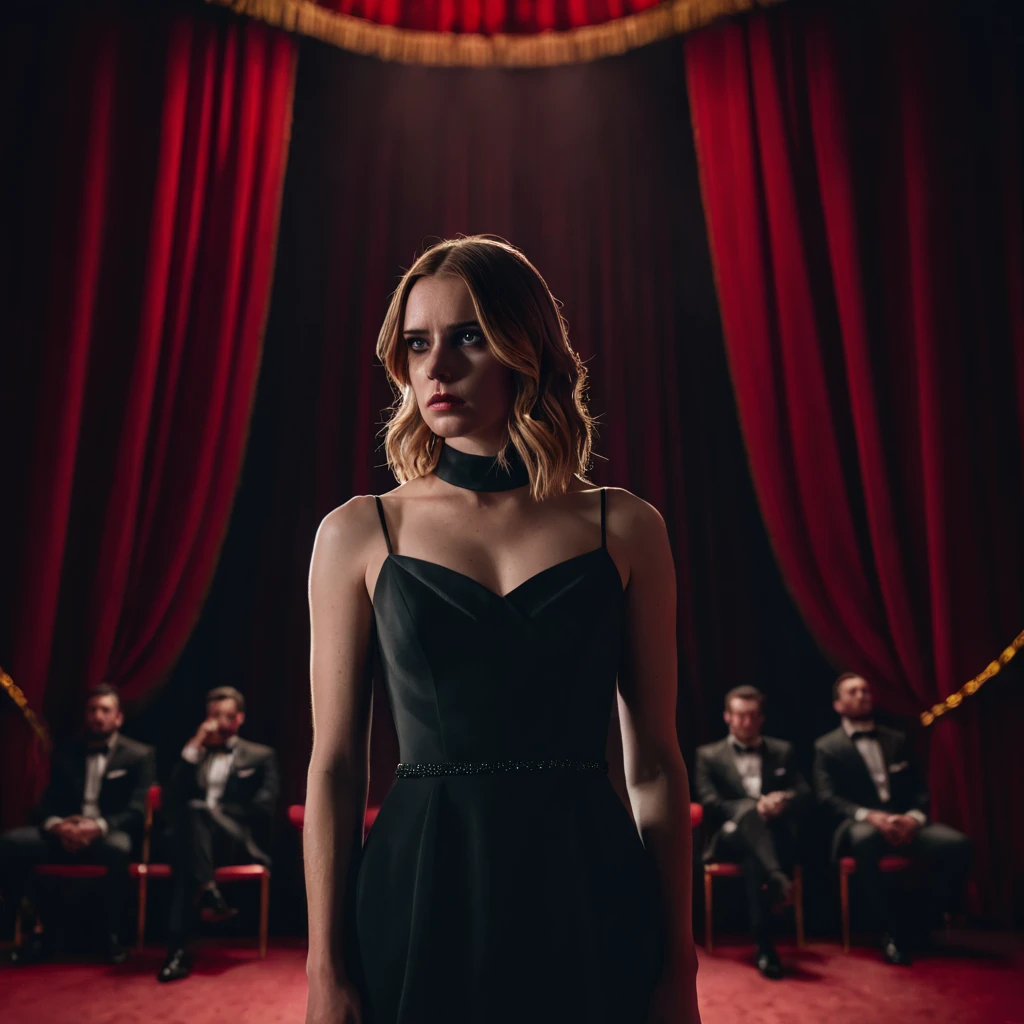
[469, 336]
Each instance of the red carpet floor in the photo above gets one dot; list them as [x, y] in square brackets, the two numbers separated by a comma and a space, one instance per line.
[978, 978]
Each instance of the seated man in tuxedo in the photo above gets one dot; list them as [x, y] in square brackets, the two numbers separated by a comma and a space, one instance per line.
[221, 801]
[753, 795]
[91, 813]
[866, 777]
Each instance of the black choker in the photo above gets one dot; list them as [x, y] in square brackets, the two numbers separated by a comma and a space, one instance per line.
[481, 472]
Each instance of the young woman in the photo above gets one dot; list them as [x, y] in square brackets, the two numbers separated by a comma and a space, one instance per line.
[503, 598]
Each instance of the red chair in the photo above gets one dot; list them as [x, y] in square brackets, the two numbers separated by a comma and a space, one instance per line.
[58, 871]
[135, 870]
[297, 816]
[229, 873]
[847, 867]
[724, 870]
[140, 871]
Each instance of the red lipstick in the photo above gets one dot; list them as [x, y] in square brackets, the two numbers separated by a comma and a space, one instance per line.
[442, 401]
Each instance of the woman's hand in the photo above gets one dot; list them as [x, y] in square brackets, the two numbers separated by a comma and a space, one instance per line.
[333, 1002]
[674, 1001]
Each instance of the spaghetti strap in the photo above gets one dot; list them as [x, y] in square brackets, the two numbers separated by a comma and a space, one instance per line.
[383, 522]
[604, 491]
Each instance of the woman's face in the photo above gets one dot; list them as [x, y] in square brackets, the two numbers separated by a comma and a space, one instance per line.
[461, 388]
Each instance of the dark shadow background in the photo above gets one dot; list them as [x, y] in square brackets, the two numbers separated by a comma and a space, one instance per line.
[591, 171]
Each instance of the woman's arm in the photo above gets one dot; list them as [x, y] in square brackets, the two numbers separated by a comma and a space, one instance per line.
[656, 777]
[336, 783]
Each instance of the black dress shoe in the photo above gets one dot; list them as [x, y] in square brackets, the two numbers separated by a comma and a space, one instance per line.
[33, 950]
[115, 953]
[893, 953]
[767, 961]
[213, 907]
[178, 965]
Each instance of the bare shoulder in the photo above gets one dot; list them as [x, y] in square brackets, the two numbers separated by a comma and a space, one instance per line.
[635, 523]
[345, 536]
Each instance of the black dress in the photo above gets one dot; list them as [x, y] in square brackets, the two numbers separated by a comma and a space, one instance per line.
[521, 892]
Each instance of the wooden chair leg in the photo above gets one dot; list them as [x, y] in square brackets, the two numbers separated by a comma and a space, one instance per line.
[798, 905]
[708, 914]
[140, 922]
[264, 911]
[844, 906]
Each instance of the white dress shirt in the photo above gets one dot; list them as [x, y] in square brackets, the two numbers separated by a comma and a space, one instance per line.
[748, 764]
[95, 768]
[874, 758]
[217, 771]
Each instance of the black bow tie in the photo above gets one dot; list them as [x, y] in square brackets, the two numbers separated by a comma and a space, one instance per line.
[865, 734]
[222, 748]
[98, 748]
[740, 749]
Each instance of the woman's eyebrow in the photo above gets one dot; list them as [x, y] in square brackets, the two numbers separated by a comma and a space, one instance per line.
[449, 329]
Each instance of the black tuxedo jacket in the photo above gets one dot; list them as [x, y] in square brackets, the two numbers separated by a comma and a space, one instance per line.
[250, 793]
[719, 788]
[131, 770]
[844, 783]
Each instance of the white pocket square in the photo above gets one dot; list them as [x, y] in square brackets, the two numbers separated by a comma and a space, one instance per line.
[898, 767]
[780, 771]
[117, 773]
[244, 773]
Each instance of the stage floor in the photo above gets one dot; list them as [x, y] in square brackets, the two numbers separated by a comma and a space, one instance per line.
[978, 977]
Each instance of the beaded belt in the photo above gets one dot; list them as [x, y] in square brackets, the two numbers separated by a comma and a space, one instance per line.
[422, 770]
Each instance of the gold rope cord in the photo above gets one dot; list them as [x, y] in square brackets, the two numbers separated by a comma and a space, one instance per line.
[14, 692]
[453, 49]
[972, 686]
[954, 700]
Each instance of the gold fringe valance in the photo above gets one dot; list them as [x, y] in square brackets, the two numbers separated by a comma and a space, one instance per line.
[972, 686]
[452, 49]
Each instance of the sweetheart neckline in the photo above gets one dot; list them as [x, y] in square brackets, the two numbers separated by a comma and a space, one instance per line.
[500, 597]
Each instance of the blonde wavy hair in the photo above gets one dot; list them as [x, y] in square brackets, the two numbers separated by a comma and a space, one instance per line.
[549, 425]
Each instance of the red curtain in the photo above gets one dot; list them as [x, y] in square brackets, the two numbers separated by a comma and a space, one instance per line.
[862, 184]
[142, 189]
[591, 170]
[489, 17]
